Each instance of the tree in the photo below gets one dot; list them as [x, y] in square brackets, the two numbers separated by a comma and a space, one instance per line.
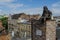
[5, 22]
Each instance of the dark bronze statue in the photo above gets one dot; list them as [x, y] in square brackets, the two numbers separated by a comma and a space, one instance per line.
[46, 15]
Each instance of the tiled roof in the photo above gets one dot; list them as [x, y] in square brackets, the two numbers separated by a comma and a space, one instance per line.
[16, 16]
[25, 16]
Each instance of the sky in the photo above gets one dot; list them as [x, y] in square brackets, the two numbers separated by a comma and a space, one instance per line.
[29, 6]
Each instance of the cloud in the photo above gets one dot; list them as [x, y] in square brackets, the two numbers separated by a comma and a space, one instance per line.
[9, 4]
[30, 11]
[6, 6]
[56, 4]
[6, 0]
[34, 10]
[56, 8]
[2, 12]
[14, 6]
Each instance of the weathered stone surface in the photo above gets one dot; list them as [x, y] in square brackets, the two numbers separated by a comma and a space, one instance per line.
[50, 30]
[41, 28]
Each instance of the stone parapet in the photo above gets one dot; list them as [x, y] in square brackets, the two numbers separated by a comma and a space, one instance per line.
[50, 30]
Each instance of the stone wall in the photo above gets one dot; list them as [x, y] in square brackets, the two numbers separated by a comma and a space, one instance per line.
[50, 30]
[34, 31]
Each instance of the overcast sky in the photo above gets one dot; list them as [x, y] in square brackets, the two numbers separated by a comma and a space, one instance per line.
[29, 6]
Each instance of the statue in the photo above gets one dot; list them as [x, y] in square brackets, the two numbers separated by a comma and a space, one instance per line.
[46, 15]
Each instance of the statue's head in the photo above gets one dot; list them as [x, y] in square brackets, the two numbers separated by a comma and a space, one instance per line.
[45, 8]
